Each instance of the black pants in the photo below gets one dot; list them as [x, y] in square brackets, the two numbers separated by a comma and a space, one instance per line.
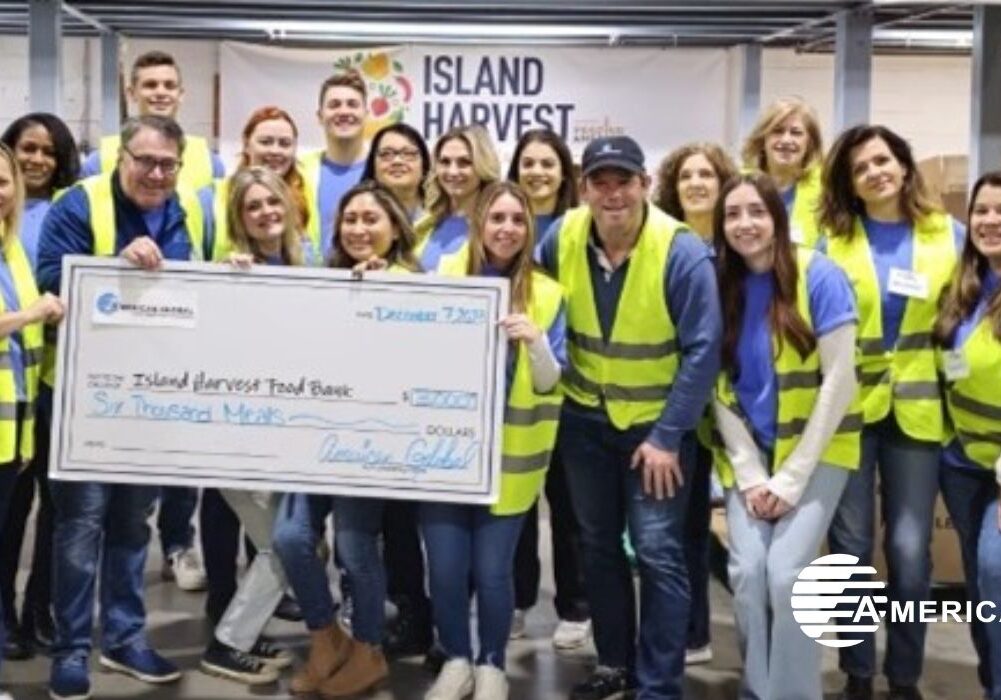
[571, 600]
[220, 533]
[402, 554]
[36, 477]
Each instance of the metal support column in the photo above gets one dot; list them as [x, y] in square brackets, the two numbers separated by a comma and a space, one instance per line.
[45, 56]
[750, 88]
[985, 125]
[110, 84]
[852, 69]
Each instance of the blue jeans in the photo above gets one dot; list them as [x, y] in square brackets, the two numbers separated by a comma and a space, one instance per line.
[968, 493]
[607, 497]
[908, 483]
[766, 557]
[468, 542]
[99, 523]
[295, 539]
[8, 478]
[357, 527]
[177, 507]
[989, 583]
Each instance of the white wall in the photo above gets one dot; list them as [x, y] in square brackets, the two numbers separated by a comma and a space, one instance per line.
[925, 98]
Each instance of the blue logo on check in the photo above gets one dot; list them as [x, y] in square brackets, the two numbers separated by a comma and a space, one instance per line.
[107, 303]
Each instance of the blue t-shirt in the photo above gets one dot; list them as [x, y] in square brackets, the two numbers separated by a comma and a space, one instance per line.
[31, 226]
[154, 219]
[953, 454]
[789, 199]
[542, 224]
[446, 238]
[832, 304]
[15, 341]
[335, 181]
[892, 245]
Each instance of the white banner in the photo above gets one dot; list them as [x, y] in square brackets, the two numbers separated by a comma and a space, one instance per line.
[662, 98]
[285, 379]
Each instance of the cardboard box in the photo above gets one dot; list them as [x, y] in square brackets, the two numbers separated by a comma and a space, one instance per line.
[946, 176]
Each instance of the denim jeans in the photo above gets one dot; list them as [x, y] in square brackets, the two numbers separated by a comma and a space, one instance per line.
[177, 507]
[989, 584]
[908, 483]
[468, 542]
[697, 549]
[8, 477]
[608, 497]
[780, 663]
[99, 525]
[295, 540]
[968, 493]
[357, 526]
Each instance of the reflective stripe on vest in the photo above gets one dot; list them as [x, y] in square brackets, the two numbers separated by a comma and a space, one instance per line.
[31, 340]
[631, 374]
[196, 160]
[973, 402]
[803, 217]
[309, 166]
[799, 381]
[530, 419]
[904, 378]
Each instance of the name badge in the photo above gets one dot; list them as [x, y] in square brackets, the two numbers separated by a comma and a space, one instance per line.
[908, 283]
[956, 366]
[796, 235]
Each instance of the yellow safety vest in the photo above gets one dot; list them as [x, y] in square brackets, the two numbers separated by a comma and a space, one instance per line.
[804, 227]
[196, 168]
[31, 339]
[632, 373]
[799, 382]
[101, 201]
[531, 419]
[903, 378]
[973, 402]
[222, 246]
[309, 165]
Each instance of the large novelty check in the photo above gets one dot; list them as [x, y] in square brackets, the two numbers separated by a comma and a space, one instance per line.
[286, 379]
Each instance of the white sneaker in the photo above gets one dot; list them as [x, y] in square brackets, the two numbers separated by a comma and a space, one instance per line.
[571, 635]
[454, 682]
[701, 655]
[491, 683]
[518, 625]
[185, 567]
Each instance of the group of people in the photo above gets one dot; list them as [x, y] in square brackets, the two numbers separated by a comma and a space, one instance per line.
[795, 326]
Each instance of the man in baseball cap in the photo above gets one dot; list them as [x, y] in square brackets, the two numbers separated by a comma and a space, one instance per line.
[643, 338]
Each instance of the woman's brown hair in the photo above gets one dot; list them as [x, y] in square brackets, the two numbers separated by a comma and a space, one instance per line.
[840, 204]
[520, 272]
[784, 318]
[666, 190]
[486, 165]
[963, 294]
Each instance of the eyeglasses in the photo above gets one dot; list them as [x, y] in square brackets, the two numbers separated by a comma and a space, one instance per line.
[390, 154]
[168, 166]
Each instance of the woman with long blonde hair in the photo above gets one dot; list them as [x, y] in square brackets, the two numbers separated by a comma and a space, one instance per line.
[786, 143]
[464, 163]
[477, 543]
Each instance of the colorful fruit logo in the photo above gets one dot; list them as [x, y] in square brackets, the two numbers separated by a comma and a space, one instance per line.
[389, 90]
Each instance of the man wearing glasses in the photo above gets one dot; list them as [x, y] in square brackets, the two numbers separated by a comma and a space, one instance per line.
[133, 212]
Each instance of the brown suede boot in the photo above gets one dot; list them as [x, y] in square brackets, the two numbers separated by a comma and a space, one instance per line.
[365, 668]
[328, 650]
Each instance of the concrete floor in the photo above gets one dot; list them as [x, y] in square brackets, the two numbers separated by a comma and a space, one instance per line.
[177, 629]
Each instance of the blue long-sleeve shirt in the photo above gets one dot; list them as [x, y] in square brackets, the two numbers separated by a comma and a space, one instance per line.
[693, 303]
[66, 230]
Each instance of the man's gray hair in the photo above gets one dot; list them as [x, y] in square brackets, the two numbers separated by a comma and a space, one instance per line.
[165, 126]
